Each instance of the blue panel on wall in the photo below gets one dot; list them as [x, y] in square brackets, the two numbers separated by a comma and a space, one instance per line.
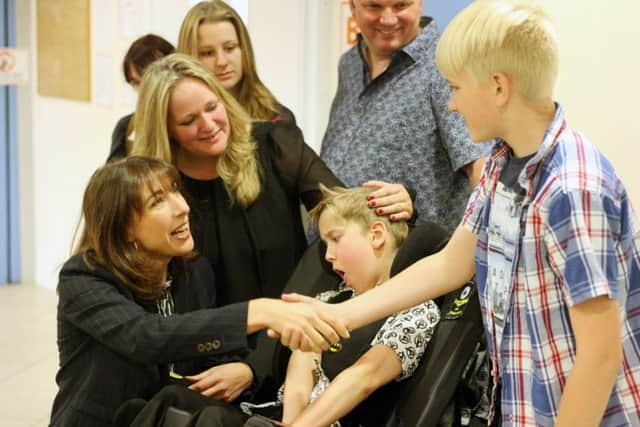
[4, 189]
[9, 205]
[4, 160]
[443, 10]
[14, 206]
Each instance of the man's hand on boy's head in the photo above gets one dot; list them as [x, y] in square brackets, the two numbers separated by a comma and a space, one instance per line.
[390, 199]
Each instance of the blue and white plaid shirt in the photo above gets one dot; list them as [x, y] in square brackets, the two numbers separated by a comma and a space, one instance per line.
[578, 239]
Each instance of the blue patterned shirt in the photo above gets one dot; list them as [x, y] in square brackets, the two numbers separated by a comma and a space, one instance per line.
[398, 128]
[577, 239]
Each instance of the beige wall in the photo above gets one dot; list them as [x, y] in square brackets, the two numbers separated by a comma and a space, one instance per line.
[598, 83]
[297, 53]
[62, 142]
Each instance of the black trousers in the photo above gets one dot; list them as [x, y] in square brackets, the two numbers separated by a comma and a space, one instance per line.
[206, 412]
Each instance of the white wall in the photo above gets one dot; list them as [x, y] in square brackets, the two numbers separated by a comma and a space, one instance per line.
[296, 42]
[598, 82]
[26, 179]
[61, 142]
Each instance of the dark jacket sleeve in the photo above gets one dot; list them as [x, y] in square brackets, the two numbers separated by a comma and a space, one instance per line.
[299, 167]
[95, 302]
[119, 138]
[285, 115]
[194, 291]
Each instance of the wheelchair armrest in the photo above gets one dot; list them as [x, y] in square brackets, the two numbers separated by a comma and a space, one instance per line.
[431, 388]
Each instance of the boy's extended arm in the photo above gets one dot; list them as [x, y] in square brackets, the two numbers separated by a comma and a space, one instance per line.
[375, 368]
[596, 325]
[428, 278]
[298, 383]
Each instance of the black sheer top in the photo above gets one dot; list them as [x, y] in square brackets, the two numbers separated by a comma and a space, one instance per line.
[254, 250]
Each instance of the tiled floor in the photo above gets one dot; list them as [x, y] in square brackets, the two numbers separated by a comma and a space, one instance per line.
[28, 355]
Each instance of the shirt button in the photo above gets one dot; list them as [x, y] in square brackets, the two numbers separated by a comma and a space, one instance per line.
[201, 348]
[208, 346]
[349, 134]
[216, 344]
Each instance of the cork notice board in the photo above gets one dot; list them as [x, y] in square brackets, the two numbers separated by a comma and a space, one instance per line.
[64, 68]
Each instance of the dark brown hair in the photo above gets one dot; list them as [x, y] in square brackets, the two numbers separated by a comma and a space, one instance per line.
[142, 52]
[112, 201]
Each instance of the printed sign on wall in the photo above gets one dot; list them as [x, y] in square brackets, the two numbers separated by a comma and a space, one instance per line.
[348, 27]
[14, 66]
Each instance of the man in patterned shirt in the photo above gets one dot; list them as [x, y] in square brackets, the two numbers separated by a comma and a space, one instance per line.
[552, 230]
[389, 118]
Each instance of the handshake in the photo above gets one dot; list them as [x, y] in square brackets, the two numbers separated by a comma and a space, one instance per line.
[299, 322]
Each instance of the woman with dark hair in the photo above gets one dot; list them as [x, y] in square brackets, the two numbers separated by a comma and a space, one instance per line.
[213, 32]
[127, 319]
[142, 52]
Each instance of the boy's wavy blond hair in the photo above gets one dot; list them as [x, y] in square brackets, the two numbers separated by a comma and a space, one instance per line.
[351, 204]
[514, 37]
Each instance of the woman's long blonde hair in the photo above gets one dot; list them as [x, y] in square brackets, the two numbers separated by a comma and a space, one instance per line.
[237, 166]
[253, 95]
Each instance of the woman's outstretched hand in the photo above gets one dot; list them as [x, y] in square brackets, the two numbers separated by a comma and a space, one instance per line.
[390, 199]
[299, 325]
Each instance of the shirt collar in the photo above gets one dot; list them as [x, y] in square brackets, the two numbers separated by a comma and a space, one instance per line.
[501, 149]
[427, 37]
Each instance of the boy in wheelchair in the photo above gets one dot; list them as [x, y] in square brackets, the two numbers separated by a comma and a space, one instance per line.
[359, 381]
[321, 389]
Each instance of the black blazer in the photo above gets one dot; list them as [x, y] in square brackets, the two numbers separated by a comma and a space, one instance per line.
[112, 348]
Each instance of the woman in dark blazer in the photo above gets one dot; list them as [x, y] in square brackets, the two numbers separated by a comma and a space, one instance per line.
[126, 319]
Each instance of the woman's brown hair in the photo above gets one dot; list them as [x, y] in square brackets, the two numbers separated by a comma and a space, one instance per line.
[142, 52]
[112, 201]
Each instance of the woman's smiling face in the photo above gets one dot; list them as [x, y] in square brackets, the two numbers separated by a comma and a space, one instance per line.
[197, 120]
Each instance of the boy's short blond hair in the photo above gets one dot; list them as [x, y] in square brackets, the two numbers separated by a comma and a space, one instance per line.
[351, 204]
[514, 37]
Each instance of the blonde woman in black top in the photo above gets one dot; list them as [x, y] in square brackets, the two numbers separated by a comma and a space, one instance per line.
[244, 182]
